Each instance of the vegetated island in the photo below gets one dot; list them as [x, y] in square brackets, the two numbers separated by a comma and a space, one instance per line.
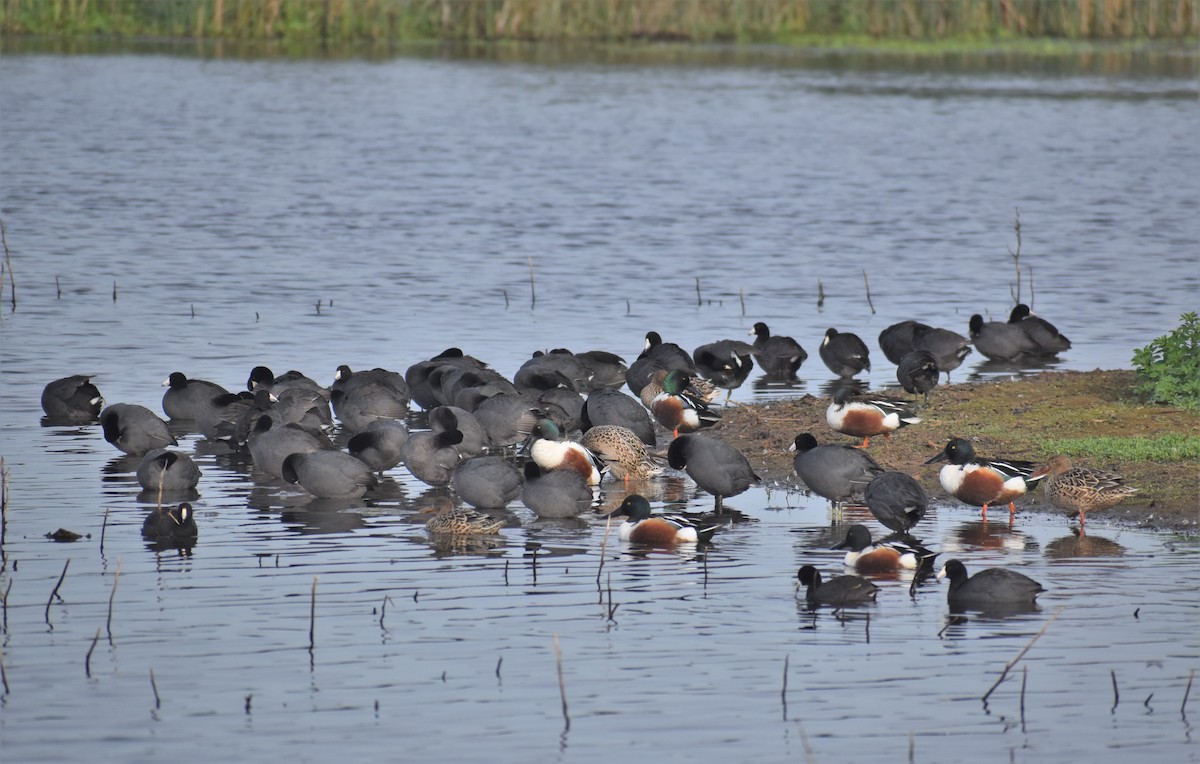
[1094, 417]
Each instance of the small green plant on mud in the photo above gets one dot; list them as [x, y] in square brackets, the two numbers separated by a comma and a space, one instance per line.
[1168, 369]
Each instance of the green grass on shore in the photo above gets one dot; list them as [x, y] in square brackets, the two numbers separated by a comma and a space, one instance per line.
[963, 24]
[1172, 447]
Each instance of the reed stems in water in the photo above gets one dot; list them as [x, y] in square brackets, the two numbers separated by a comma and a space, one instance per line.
[532, 288]
[1182, 706]
[312, 615]
[1116, 692]
[103, 530]
[1016, 257]
[1021, 654]
[783, 691]
[868, 286]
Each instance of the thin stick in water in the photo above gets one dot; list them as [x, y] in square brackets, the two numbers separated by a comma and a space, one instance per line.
[8, 589]
[8, 262]
[103, 529]
[532, 288]
[3, 673]
[1021, 654]
[505, 291]
[312, 615]
[562, 687]
[54, 593]
[114, 290]
[193, 310]
[603, 546]
[868, 286]
[499, 663]
[1024, 679]
[742, 299]
[3, 502]
[87, 659]
[382, 613]
[1116, 692]
[699, 300]
[57, 288]
[111, 597]
[820, 294]
[154, 686]
[783, 692]
[1182, 706]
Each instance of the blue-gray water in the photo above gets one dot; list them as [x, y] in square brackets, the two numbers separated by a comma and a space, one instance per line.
[408, 196]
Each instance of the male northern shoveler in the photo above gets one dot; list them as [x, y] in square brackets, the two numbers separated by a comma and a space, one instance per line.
[988, 589]
[1041, 331]
[726, 363]
[449, 520]
[884, 557]
[835, 472]
[1082, 489]
[845, 354]
[779, 356]
[552, 452]
[643, 527]
[679, 409]
[869, 415]
[896, 500]
[171, 526]
[716, 466]
[837, 591]
[624, 454]
[983, 482]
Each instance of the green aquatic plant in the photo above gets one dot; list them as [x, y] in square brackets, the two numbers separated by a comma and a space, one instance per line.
[1168, 369]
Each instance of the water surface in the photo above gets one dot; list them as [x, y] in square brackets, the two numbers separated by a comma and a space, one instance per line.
[309, 213]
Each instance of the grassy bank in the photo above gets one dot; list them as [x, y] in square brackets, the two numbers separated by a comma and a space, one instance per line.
[794, 22]
[1095, 417]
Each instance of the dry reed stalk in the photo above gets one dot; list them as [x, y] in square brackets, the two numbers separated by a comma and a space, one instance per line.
[54, 593]
[1021, 654]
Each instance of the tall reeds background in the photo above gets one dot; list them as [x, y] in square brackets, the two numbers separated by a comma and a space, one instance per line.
[754, 21]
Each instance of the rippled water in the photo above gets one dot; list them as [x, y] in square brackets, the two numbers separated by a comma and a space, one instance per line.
[226, 198]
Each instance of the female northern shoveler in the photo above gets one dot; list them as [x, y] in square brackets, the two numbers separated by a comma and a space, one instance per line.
[716, 466]
[845, 354]
[884, 557]
[988, 589]
[449, 520]
[726, 363]
[779, 356]
[983, 482]
[1039, 330]
[678, 409]
[896, 500]
[834, 472]
[1082, 489]
[837, 591]
[553, 452]
[624, 454]
[643, 527]
[868, 416]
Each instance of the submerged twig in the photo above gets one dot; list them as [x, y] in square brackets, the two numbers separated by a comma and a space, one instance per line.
[382, 613]
[820, 294]
[103, 530]
[54, 593]
[742, 299]
[699, 300]
[1021, 654]
[783, 691]
[532, 288]
[87, 659]
[867, 284]
[603, 546]
[12, 283]
[111, 597]
[1182, 706]
[1116, 692]
[154, 686]
[312, 615]
[562, 687]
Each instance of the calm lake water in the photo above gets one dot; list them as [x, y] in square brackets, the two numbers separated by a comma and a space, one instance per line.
[208, 214]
